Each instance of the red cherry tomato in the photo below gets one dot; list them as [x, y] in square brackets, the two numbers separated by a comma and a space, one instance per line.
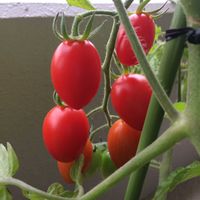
[64, 168]
[65, 133]
[76, 72]
[145, 30]
[122, 142]
[130, 96]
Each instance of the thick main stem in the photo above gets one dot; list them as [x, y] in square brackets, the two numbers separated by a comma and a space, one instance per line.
[106, 68]
[192, 9]
[170, 62]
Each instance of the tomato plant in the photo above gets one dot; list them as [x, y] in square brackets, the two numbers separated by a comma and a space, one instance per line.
[122, 142]
[76, 72]
[65, 167]
[145, 30]
[65, 132]
[130, 96]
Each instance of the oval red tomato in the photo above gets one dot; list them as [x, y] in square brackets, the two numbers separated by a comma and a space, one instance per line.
[64, 168]
[145, 30]
[130, 96]
[65, 132]
[122, 142]
[76, 72]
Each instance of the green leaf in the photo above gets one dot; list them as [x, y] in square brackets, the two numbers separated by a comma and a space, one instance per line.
[59, 190]
[5, 194]
[8, 161]
[85, 4]
[180, 106]
[176, 177]
[13, 160]
[88, 27]
[97, 29]
[63, 28]
[32, 196]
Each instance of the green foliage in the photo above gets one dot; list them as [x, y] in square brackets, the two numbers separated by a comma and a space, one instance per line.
[8, 161]
[58, 190]
[176, 177]
[85, 4]
[5, 194]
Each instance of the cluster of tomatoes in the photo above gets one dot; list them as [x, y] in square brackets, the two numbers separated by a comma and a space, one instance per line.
[76, 75]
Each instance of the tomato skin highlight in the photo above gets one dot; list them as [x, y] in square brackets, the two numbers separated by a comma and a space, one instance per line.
[64, 168]
[130, 97]
[122, 142]
[145, 30]
[76, 72]
[65, 133]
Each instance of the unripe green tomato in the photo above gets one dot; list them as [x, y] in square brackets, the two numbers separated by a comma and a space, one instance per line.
[107, 165]
[95, 163]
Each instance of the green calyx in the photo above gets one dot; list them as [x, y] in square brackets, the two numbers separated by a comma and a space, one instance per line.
[62, 34]
[154, 13]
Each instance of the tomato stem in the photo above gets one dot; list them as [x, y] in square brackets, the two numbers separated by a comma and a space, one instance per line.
[191, 9]
[140, 54]
[165, 167]
[97, 109]
[141, 6]
[79, 18]
[93, 133]
[117, 63]
[106, 68]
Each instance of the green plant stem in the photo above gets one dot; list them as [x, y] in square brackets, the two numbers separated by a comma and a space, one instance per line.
[80, 17]
[93, 133]
[191, 9]
[127, 3]
[171, 136]
[140, 54]
[142, 5]
[165, 167]
[106, 68]
[97, 109]
[26, 187]
[117, 63]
